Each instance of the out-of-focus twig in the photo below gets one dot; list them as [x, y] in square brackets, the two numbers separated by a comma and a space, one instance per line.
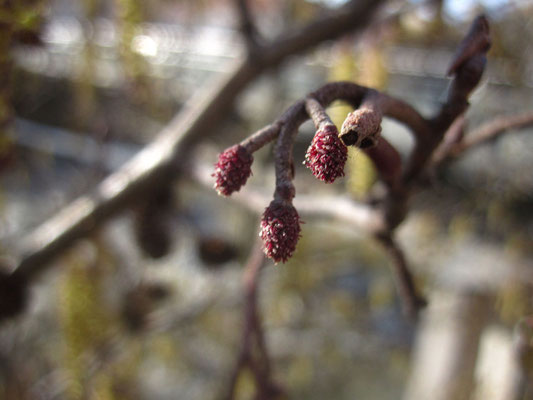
[523, 357]
[476, 41]
[467, 69]
[452, 137]
[247, 26]
[253, 353]
[412, 302]
[486, 132]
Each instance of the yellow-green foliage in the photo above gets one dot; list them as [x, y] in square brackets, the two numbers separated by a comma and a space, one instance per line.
[7, 26]
[130, 16]
[15, 16]
[301, 372]
[89, 329]
[302, 11]
[84, 94]
[514, 298]
[381, 291]
[461, 226]
[245, 387]
[361, 173]
[83, 318]
[20, 15]
[341, 302]
[371, 69]
[513, 302]
[166, 349]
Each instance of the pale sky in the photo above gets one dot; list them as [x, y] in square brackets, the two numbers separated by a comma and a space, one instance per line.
[455, 8]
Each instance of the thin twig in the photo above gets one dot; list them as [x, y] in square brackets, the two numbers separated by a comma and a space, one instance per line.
[476, 41]
[283, 158]
[252, 333]
[247, 27]
[388, 162]
[317, 113]
[457, 142]
[490, 130]
[453, 136]
[412, 302]
[260, 138]
[468, 68]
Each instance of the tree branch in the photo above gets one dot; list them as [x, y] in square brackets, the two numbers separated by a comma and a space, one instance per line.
[351, 93]
[247, 26]
[452, 137]
[468, 67]
[412, 302]
[160, 161]
[489, 131]
[252, 329]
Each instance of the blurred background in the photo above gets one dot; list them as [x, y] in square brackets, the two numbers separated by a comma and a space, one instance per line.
[150, 306]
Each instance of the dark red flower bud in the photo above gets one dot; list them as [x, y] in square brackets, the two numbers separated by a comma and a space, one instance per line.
[280, 230]
[232, 169]
[326, 155]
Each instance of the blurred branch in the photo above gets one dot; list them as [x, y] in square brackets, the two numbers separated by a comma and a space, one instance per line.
[452, 137]
[7, 38]
[162, 159]
[355, 95]
[467, 67]
[486, 132]
[247, 26]
[522, 358]
[444, 358]
[258, 361]
[412, 302]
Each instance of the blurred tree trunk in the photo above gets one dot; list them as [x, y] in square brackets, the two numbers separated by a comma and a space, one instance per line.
[447, 346]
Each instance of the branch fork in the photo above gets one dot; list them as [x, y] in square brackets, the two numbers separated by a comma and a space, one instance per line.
[327, 153]
[173, 147]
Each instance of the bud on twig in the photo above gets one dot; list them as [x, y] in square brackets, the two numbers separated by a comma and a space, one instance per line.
[477, 41]
[326, 155]
[232, 169]
[280, 230]
[361, 128]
